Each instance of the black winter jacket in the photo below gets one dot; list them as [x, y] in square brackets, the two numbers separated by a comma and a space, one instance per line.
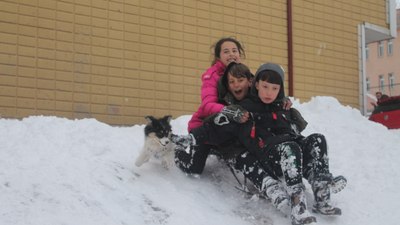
[273, 124]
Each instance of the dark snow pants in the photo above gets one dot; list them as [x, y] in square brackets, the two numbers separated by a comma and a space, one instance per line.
[315, 156]
[306, 157]
[284, 159]
[194, 161]
[210, 136]
[246, 163]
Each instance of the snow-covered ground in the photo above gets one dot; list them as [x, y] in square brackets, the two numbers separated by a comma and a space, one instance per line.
[55, 171]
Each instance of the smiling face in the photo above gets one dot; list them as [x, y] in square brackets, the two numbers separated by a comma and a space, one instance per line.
[267, 92]
[238, 86]
[229, 53]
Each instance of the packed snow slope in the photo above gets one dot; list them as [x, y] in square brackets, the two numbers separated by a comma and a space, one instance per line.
[55, 171]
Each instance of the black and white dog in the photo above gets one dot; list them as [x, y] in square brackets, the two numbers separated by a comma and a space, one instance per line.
[157, 142]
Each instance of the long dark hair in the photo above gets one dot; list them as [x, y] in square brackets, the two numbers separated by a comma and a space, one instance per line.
[217, 48]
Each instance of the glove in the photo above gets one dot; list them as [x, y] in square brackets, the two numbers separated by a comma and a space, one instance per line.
[298, 119]
[233, 112]
[286, 103]
[220, 119]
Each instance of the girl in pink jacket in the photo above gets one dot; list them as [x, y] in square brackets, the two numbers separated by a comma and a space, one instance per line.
[226, 50]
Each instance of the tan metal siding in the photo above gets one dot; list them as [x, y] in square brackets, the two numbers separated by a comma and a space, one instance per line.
[118, 61]
[326, 46]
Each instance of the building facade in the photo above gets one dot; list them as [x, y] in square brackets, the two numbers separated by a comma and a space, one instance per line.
[118, 61]
[383, 67]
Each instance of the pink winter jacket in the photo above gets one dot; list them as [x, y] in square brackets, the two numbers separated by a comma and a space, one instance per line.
[209, 95]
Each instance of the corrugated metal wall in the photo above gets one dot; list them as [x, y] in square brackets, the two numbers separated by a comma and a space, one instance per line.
[118, 61]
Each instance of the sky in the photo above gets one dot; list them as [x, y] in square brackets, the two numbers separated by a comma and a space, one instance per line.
[56, 171]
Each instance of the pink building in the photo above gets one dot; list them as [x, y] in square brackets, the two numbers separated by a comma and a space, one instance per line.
[383, 67]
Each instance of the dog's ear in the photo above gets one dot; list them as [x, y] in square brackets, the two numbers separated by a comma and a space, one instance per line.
[149, 119]
[168, 118]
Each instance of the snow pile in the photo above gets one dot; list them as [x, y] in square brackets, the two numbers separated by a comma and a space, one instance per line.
[56, 171]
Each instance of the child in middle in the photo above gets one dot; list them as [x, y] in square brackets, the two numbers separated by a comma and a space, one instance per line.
[233, 87]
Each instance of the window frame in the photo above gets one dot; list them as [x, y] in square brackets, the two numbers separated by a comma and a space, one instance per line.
[390, 47]
[391, 80]
[380, 49]
[381, 83]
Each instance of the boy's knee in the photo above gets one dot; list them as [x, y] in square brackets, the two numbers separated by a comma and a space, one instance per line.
[293, 148]
[318, 138]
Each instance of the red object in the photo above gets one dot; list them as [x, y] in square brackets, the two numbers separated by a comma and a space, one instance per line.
[253, 131]
[274, 116]
[387, 112]
[390, 119]
[209, 95]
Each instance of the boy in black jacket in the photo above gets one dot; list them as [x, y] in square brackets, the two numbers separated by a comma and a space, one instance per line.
[290, 154]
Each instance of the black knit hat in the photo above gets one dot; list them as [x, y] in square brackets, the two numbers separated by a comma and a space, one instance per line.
[274, 68]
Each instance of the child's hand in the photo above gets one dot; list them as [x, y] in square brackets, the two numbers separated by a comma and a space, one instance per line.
[245, 117]
[234, 112]
[287, 103]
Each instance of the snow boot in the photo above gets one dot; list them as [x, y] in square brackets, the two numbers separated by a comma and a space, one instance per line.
[183, 142]
[299, 214]
[337, 184]
[277, 194]
[322, 196]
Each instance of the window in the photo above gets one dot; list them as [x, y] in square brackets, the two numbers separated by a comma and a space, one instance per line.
[366, 52]
[391, 81]
[380, 49]
[390, 47]
[381, 83]
[368, 85]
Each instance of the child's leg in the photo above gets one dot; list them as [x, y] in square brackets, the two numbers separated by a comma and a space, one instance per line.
[208, 133]
[251, 169]
[289, 156]
[250, 166]
[316, 171]
[192, 162]
[213, 134]
[198, 144]
[316, 162]
[315, 155]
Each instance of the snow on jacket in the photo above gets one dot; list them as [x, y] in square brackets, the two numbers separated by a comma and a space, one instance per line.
[209, 95]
